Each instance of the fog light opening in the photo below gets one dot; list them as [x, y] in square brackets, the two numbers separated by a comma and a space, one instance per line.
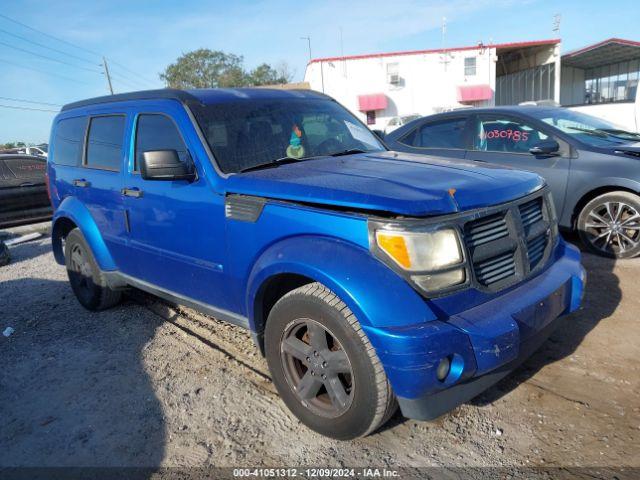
[443, 369]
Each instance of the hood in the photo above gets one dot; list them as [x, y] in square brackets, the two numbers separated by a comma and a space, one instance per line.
[398, 183]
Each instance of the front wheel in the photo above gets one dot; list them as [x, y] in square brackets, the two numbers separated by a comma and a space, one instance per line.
[323, 365]
[609, 225]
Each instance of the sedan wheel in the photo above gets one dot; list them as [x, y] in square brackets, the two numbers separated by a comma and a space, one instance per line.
[610, 225]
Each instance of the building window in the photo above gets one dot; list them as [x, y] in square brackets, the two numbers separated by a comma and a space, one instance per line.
[612, 83]
[393, 73]
[470, 66]
[371, 117]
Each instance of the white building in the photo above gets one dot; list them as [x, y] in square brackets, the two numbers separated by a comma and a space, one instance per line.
[381, 86]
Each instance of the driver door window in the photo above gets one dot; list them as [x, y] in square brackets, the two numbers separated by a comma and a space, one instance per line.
[505, 135]
[158, 132]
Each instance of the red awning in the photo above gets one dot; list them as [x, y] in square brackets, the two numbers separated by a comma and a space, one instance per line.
[375, 101]
[474, 93]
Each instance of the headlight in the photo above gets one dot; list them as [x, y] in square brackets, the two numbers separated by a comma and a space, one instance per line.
[433, 259]
[421, 251]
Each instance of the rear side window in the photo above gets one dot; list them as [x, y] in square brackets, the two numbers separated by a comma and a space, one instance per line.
[27, 168]
[104, 143]
[442, 134]
[68, 141]
[157, 132]
[506, 135]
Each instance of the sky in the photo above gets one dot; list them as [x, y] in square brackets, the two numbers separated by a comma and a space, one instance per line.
[139, 39]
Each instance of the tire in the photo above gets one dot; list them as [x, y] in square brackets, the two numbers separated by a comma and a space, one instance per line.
[5, 257]
[609, 225]
[330, 401]
[87, 281]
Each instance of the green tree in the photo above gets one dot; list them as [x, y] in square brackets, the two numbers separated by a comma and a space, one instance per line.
[267, 75]
[204, 68]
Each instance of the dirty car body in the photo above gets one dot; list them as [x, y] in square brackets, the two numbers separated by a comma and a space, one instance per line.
[236, 235]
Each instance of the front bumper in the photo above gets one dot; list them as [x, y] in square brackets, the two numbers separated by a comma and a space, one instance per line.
[483, 343]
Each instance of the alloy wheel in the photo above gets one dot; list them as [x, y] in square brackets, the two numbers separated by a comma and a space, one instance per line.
[613, 227]
[317, 368]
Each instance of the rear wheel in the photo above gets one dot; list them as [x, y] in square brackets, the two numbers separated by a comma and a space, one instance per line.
[609, 225]
[323, 365]
[87, 281]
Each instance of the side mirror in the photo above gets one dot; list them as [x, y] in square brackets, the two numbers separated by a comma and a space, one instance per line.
[379, 134]
[545, 147]
[165, 165]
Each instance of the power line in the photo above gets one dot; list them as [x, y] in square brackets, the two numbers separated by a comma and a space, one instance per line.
[30, 101]
[48, 58]
[9, 62]
[28, 108]
[50, 36]
[132, 72]
[66, 53]
[25, 39]
[127, 81]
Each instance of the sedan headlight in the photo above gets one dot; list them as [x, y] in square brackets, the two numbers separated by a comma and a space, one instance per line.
[432, 259]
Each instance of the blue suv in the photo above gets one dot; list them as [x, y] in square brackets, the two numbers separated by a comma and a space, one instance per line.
[367, 277]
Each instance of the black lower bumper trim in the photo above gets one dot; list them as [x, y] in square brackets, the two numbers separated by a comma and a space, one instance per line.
[433, 405]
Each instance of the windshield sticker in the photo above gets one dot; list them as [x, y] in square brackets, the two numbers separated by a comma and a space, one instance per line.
[359, 133]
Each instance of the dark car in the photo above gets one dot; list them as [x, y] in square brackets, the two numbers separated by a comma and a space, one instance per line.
[23, 190]
[591, 165]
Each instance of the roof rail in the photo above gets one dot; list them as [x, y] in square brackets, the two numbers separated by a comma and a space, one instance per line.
[164, 93]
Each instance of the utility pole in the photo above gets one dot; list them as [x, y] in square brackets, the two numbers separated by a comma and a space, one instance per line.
[308, 39]
[557, 18]
[445, 55]
[106, 74]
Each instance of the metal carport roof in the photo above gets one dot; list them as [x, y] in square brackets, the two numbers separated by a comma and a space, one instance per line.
[612, 50]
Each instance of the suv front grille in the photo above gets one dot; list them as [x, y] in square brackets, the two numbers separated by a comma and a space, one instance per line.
[531, 213]
[486, 230]
[507, 246]
[495, 269]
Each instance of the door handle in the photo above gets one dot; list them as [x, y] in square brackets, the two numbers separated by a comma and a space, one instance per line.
[27, 184]
[131, 192]
[82, 183]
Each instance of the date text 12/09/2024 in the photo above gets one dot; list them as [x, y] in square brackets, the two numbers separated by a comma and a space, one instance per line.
[315, 473]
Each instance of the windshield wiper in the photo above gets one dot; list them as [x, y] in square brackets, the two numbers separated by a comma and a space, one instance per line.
[591, 131]
[350, 151]
[624, 134]
[273, 163]
[608, 132]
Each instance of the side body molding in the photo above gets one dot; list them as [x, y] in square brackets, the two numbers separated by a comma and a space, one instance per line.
[374, 293]
[72, 209]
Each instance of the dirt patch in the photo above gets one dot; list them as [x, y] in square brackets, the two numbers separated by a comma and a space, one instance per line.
[147, 385]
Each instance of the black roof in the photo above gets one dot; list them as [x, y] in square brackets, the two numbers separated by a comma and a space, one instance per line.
[164, 93]
[198, 96]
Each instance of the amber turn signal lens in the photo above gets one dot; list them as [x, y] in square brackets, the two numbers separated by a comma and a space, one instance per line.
[394, 246]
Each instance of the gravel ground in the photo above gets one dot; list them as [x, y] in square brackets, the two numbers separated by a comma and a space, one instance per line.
[147, 385]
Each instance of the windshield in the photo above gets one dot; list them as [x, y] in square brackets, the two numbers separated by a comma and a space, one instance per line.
[247, 133]
[590, 130]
